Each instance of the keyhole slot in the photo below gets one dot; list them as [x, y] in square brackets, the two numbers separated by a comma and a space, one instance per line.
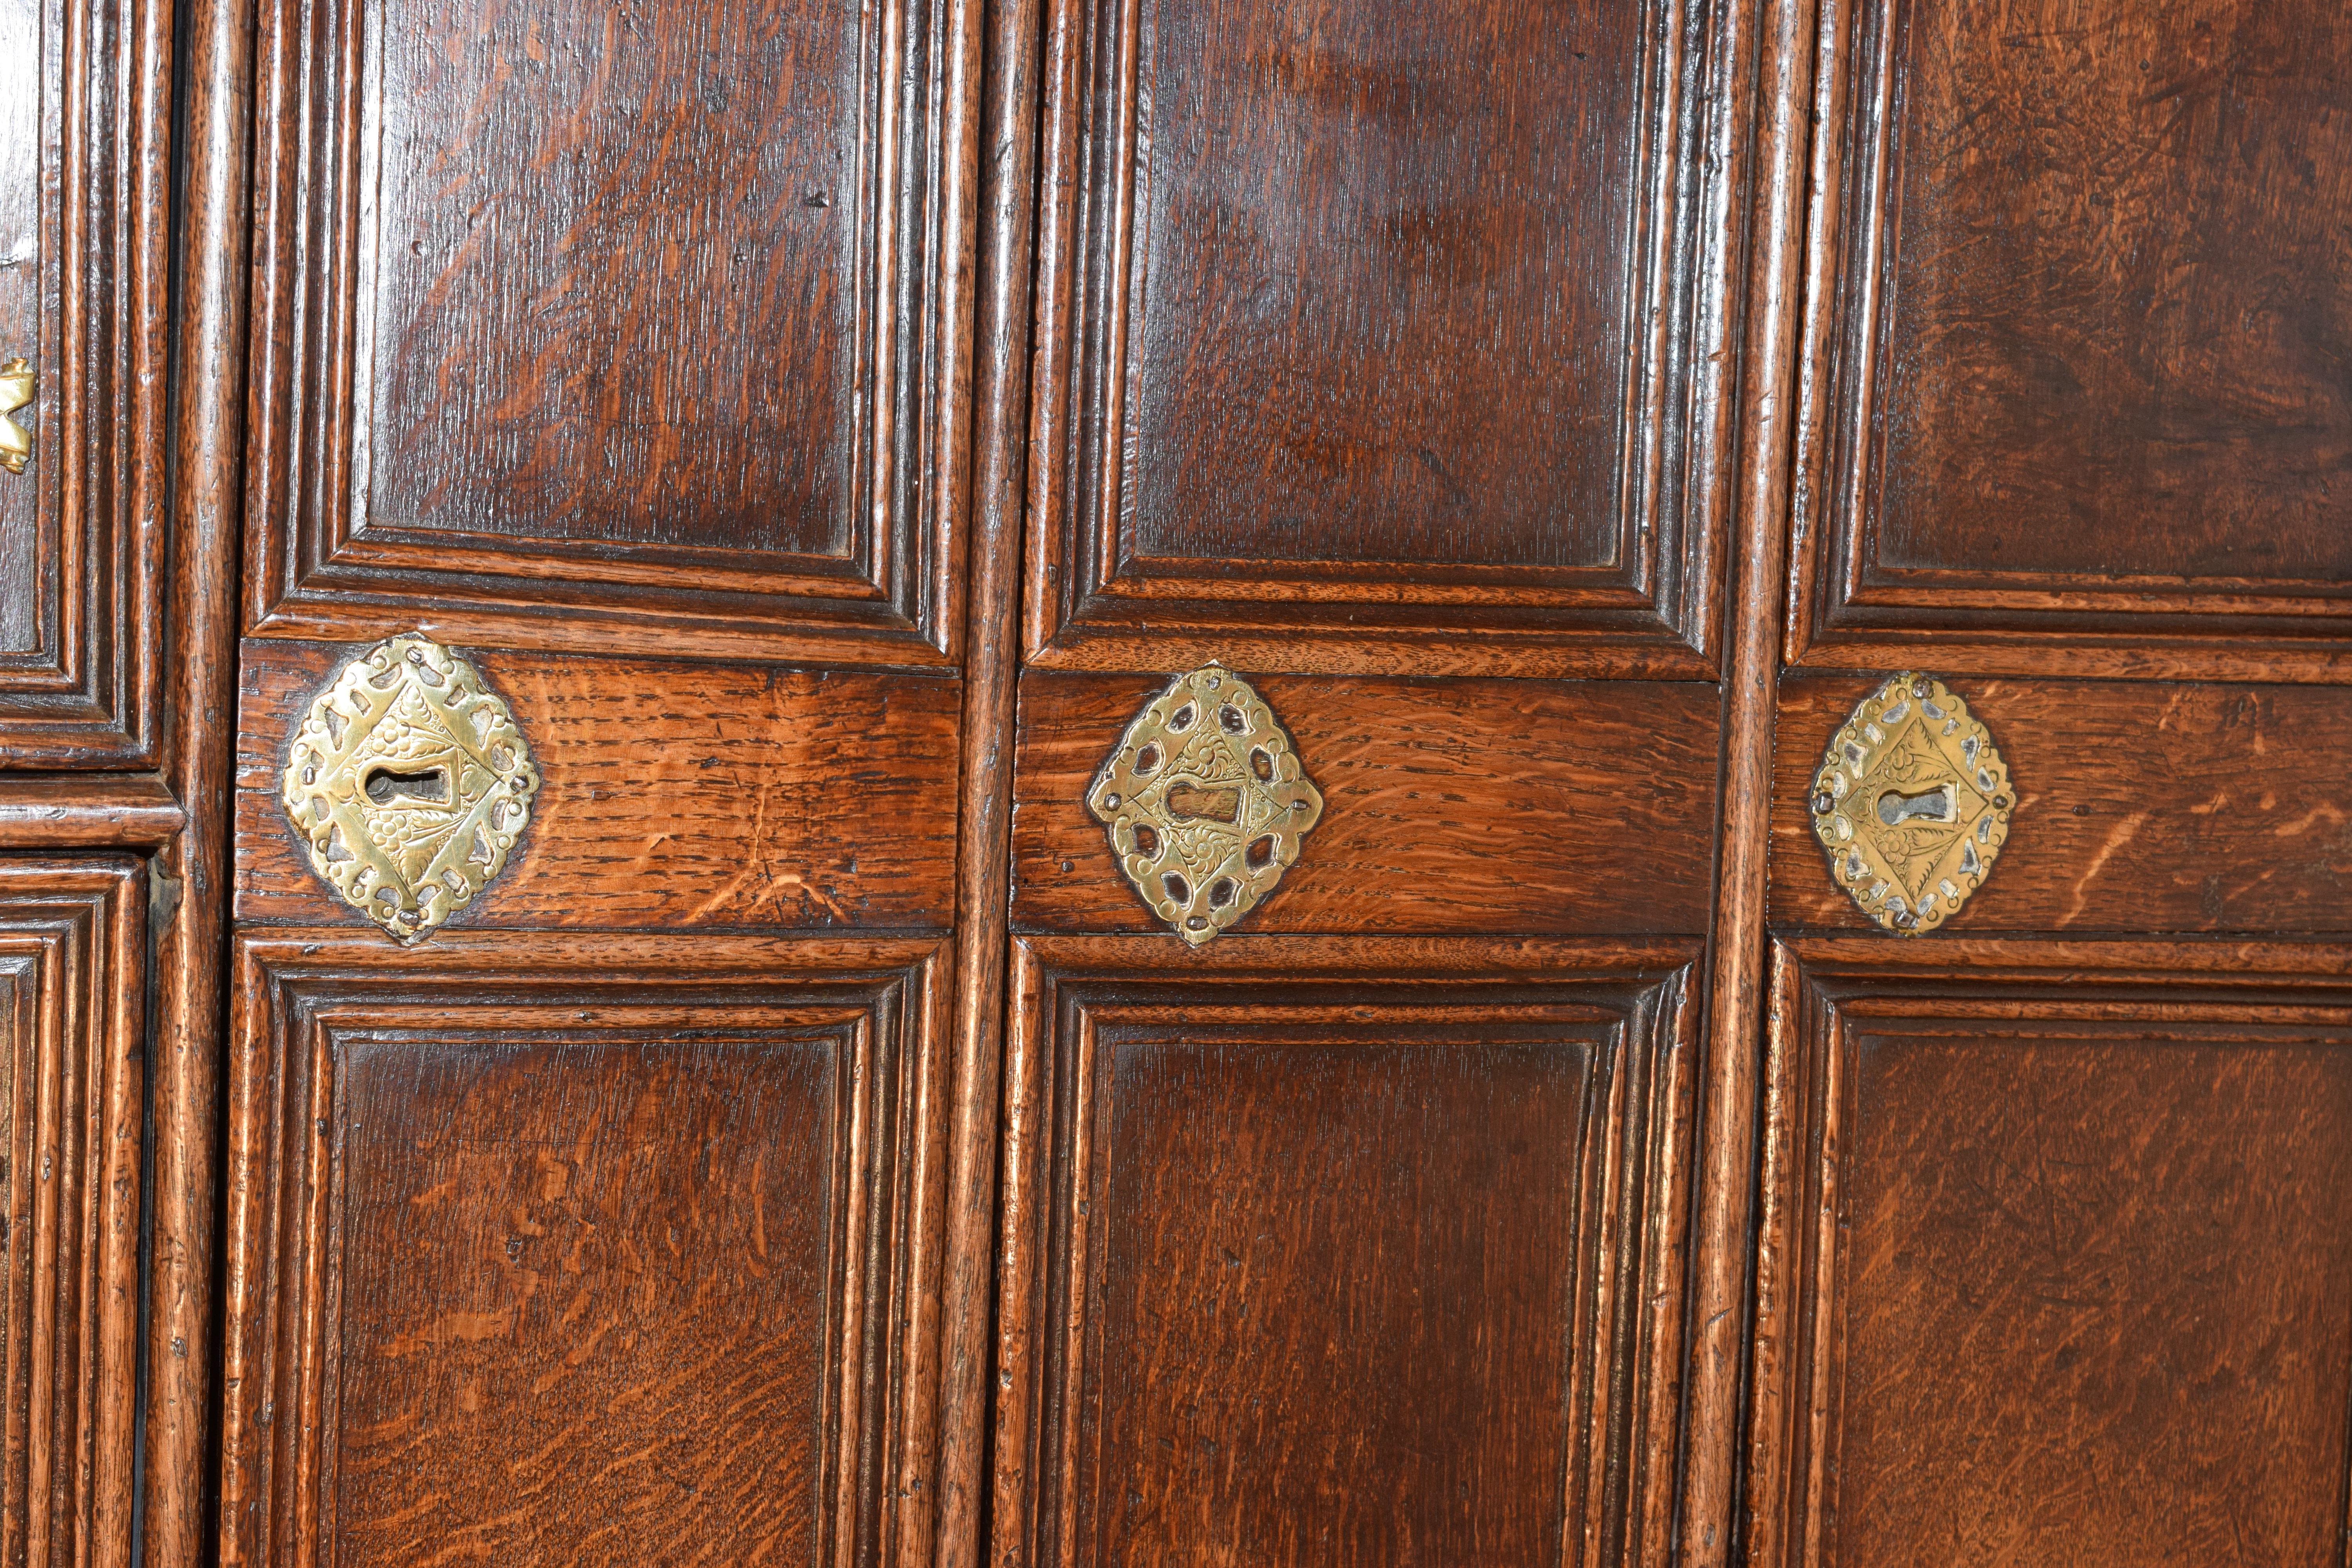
[1895, 808]
[1190, 801]
[386, 786]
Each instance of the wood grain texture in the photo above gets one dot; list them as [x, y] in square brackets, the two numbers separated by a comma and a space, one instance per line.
[645, 334]
[73, 1000]
[675, 795]
[1343, 1251]
[565, 1248]
[2076, 400]
[2057, 1266]
[85, 109]
[104, 811]
[1355, 354]
[191, 875]
[2139, 807]
[1449, 806]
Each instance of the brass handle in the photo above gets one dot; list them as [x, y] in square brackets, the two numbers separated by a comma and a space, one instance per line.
[16, 393]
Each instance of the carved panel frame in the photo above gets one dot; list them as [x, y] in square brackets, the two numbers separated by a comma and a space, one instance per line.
[1624, 1379]
[298, 998]
[1848, 609]
[1655, 611]
[317, 565]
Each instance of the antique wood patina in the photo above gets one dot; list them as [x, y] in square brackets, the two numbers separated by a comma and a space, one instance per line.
[1081, 782]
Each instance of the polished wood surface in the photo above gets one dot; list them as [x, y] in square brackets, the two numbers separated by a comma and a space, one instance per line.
[1448, 806]
[675, 795]
[826, 427]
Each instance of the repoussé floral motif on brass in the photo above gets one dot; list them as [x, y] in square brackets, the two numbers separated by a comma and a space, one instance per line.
[1912, 803]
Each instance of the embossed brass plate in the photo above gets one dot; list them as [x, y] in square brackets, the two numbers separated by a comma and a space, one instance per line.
[1205, 803]
[16, 393]
[1913, 804]
[410, 782]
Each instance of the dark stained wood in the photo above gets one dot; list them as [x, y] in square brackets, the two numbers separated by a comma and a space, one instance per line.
[1340, 1251]
[2139, 807]
[2058, 1261]
[645, 316]
[1448, 806]
[1725, 1151]
[674, 796]
[73, 999]
[84, 111]
[559, 1246]
[190, 879]
[2077, 366]
[1355, 354]
[108, 811]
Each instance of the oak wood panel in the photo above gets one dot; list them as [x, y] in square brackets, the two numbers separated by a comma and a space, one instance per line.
[73, 998]
[1335, 1252]
[1355, 353]
[2139, 807]
[84, 165]
[565, 1248]
[2057, 1255]
[2074, 399]
[101, 811]
[1448, 806]
[635, 329]
[675, 795]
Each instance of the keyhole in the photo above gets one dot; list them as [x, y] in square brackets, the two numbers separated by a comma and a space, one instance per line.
[1895, 808]
[384, 786]
[1190, 802]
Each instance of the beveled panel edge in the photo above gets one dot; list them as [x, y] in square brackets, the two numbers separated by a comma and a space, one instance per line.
[1816, 984]
[90, 692]
[265, 1359]
[1660, 617]
[1036, 1326]
[313, 569]
[1843, 609]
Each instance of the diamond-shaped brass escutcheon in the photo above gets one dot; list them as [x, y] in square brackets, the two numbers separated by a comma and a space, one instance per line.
[1912, 803]
[409, 782]
[1205, 802]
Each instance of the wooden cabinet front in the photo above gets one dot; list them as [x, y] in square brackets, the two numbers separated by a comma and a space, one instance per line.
[1092, 782]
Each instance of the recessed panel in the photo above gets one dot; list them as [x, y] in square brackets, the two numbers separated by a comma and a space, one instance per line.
[1383, 285]
[614, 294]
[585, 1288]
[2116, 312]
[2099, 1306]
[1338, 1293]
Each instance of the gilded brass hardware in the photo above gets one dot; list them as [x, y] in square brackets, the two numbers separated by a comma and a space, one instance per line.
[1913, 804]
[1205, 802]
[16, 393]
[410, 782]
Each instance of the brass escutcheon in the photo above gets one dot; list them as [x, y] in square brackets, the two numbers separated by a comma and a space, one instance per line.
[1205, 802]
[409, 781]
[16, 393]
[1912, 803]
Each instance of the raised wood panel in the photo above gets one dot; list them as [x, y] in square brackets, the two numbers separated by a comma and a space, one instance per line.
[635, 329]
[1449, 806]
[562, 1249]
[84, 172]
[674, 796]
[2056, 1257]
[2140, 807]
[1356, 353]
[2074, 396]
[73, 994]
[1326, 1252]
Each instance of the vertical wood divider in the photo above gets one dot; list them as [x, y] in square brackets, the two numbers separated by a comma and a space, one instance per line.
[1727, 1154]
[1006, 171]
